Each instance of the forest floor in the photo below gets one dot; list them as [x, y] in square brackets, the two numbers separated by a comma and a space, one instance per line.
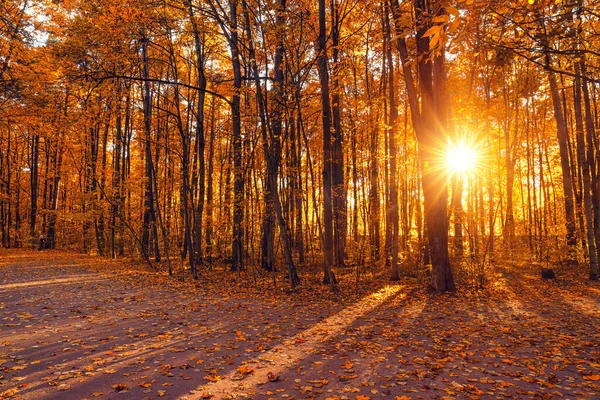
[74, 327]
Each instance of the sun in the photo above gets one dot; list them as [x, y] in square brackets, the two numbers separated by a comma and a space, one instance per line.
[461, 157]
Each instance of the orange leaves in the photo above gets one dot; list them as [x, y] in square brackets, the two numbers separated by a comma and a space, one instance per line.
[165, 369]
[438, 32]
[434, 30]
[242, 371]
[120, 387]
[347, 365]
[245, 370]
[318, 383]
[213, 378]
[461, 346]
[592, 377]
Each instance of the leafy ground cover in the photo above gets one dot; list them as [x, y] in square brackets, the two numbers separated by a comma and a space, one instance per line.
[74, 327]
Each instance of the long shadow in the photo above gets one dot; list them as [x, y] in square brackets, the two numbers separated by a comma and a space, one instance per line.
[400, 342]
[73, 367]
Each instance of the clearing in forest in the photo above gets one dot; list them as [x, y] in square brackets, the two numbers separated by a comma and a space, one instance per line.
[74, 327]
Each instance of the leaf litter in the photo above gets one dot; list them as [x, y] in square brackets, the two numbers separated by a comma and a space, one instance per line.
[82, 327]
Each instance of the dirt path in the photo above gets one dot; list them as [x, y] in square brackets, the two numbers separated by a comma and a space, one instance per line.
[73, 329]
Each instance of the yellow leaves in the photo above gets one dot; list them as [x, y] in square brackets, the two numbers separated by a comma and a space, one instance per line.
[213, 378]
[161, 393]
[363, 397]
[347, 365]
[403, 398]
[145, 384]
[244, 370]
[9, 393]
[110, 371]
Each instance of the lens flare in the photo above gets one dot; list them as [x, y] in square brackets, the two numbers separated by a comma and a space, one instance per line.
[461, 157]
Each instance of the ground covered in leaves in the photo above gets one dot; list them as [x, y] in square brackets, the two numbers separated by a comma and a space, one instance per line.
[74, 327]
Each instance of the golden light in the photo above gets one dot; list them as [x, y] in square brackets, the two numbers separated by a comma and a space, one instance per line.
[461, 157]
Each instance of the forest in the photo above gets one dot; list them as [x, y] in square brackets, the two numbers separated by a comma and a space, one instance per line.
[299, 137]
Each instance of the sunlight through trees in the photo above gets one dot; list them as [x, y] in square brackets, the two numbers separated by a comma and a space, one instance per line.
[295, 138]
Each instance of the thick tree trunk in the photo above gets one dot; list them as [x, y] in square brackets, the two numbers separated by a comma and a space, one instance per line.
[435, 191]
[199, 150]
[591, 157]
[563, 138]
[585, 162]
[328, 237]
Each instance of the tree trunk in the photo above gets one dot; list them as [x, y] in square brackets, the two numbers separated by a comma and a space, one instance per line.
[149, 212]
[591, 158]
[237, 261]
[392, 204]
[34, 183]
[585, 167]
[563, 138]
[199, 155]
[328, 244]
[435, 192]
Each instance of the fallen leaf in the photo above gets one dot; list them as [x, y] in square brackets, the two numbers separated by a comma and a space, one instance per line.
[9, 393]
[119, 387]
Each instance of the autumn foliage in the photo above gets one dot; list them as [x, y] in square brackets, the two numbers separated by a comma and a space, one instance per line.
[294, 138]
